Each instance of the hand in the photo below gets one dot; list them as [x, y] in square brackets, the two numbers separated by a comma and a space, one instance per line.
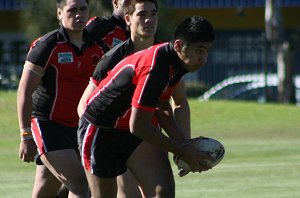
[183, 172]
[27, 150]
[195, 159]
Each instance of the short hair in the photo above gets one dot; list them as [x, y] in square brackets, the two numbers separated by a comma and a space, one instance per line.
[194, 29]
[129, 6]
[62, 3]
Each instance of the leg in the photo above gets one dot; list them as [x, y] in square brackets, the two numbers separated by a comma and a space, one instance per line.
[46, 185]
[100, 187]
[151, 167]
[66, 167]
[63, 192]
[128, 186]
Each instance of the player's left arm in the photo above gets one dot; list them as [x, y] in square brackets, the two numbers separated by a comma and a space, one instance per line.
[85, 96]
[166, 120]
[181, 109]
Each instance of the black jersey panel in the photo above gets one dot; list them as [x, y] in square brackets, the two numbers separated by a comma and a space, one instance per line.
[113, 100]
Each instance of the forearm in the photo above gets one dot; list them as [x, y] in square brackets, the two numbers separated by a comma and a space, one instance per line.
[85, 96]
[141, 126]
[182, 117]
[24, 108]
[168, 123]
[152, 135]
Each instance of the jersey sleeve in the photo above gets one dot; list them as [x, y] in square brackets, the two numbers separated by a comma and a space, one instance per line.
[151, 85]
[39, 53]
[109, 61]
[94, 29]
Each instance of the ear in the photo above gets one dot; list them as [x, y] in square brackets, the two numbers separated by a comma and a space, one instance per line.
[115, 4]
[58, 13]
[127, 19]
[178, 45]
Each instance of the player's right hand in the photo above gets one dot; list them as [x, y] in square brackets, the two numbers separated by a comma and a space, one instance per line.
[195, 159]
[27, 150]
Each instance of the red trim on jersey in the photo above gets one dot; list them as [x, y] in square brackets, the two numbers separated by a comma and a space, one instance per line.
[87, 146]
[109, 82]
[90, 20]
[36, 131]
[94, 81]
[136, 103]
[117, 33]
[56, 93]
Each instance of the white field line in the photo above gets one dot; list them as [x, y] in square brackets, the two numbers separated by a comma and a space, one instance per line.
[257, 165]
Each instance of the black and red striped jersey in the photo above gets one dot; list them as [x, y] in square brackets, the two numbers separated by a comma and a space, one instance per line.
[111, 58]
[139, 80]
[67, 72]
[111, 30]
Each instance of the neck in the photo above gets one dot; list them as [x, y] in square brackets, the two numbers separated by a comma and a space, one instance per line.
[76, 38]
[142, 43]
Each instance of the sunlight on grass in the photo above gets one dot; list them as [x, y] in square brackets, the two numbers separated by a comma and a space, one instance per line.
[262, 158]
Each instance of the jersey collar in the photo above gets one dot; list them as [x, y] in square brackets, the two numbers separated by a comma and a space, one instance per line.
[175, 60]
[63, 35]
[120, 21]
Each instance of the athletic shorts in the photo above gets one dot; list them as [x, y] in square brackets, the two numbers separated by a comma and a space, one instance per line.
[52, 136]
[104, 151]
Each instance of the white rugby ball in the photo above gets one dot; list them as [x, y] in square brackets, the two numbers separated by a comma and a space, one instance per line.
[205, 145]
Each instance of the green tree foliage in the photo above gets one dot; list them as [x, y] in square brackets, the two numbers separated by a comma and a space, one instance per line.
[39, 16]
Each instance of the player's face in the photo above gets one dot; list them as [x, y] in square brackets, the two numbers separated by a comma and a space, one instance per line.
[194, 56]
[74, 15]
[143, 21]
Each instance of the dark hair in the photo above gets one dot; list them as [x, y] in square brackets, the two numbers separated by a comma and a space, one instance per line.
[61, 3]
[194, 29]
[129, 6]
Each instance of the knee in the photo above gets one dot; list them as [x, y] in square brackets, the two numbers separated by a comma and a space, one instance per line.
[161, 191]
[166, 190]
[79, 187]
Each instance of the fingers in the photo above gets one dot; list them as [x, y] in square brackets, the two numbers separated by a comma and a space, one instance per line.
[206, 156]
[26, 157]
[183, 173]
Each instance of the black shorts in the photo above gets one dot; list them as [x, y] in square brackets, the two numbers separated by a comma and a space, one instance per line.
[105, 150]
[52, 136]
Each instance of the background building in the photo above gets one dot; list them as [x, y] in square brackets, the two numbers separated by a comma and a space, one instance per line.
[240, 50]
[13, 45]
[239, 64]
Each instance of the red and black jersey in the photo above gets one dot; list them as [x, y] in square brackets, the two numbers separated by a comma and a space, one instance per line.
[111, 58]
[67, 71]
[111, 30]
[139, 80]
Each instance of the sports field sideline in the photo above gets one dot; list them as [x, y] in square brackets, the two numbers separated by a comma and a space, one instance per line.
[262, 159]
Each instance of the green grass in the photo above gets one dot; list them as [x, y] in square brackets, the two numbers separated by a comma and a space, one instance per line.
[262, 157]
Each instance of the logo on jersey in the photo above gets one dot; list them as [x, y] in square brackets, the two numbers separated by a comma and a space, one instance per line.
[115, 42]
[65, 57]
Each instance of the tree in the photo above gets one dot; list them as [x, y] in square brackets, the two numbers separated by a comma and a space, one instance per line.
[39, 16]
[281, 49]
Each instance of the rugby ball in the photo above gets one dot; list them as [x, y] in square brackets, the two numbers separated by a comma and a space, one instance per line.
[206, 145]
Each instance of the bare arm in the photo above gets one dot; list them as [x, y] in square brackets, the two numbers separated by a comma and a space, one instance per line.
[86, 94]
[165, 117]
[141, 126]
[30, 80]
[181, 109]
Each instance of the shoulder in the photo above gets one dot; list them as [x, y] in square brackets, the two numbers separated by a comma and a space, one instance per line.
[99, 22]
[48, 40]
[42, 48]
[122, 49]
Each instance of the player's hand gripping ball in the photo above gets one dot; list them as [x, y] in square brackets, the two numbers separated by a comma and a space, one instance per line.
[205, 145]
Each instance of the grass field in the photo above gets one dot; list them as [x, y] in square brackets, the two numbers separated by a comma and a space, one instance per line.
[262, 157]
